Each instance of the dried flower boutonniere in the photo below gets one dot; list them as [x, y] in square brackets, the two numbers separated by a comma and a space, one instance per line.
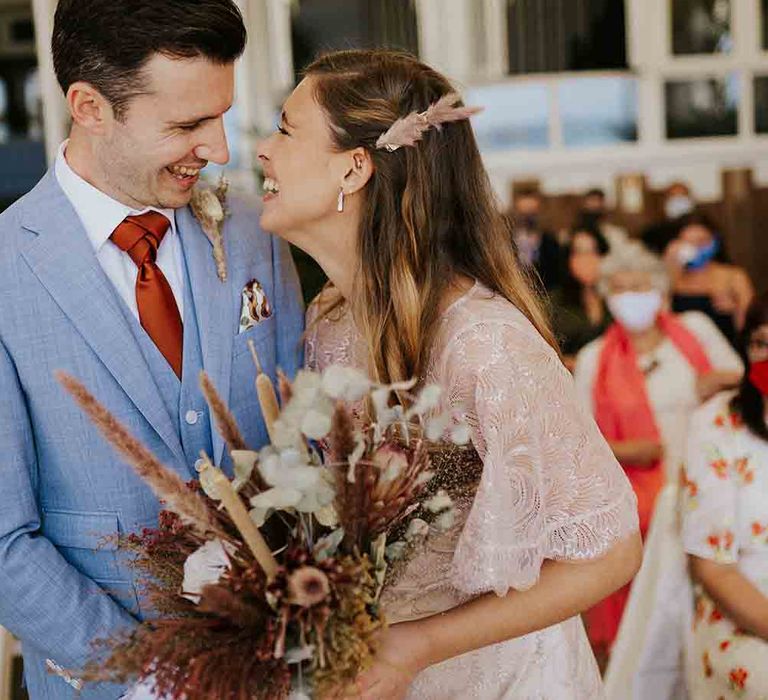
[209, 208]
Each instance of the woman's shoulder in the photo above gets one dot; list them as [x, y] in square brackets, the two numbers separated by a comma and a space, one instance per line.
[716, 414]
[588, 357]
[729, 273]
[698, 323]
[486, 344]
[488, 321]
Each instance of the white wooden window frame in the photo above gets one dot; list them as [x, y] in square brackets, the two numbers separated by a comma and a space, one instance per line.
[447, 41]
[649, 42]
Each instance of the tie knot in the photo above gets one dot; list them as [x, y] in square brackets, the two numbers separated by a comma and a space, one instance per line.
[140, 236]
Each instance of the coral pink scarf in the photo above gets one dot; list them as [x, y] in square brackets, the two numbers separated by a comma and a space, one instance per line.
[623, 412]
[622, 408]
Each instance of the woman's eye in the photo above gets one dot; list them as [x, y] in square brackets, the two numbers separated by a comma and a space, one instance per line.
[281, 130]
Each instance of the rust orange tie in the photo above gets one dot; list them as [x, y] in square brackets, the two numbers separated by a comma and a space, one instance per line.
[140, 237]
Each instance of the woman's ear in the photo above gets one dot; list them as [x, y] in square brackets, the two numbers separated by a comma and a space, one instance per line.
[359, 172]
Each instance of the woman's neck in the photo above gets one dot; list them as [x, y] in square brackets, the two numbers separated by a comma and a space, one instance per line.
[648, 340]
[333, 246]
[458, 286]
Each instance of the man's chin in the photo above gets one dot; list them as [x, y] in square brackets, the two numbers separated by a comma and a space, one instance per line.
[175, 200]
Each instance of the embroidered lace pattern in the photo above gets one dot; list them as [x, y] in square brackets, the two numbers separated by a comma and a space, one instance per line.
[550, 489]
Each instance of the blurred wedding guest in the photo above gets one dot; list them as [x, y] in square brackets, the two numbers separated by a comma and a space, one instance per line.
[595, 212]
[725, 529]
[537, 248]
[641, 380]
[678, 202]
[579, 314]
[703, 280]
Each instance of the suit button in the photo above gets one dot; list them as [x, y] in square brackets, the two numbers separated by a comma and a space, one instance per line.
[199, 465]
[191, 417]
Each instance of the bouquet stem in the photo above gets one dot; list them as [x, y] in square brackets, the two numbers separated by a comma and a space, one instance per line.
[265, 390]
[246, 527]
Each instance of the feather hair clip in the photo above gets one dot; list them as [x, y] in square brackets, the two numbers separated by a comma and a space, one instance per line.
[407, 131]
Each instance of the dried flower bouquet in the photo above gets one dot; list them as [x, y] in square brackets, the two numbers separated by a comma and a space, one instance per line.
[268, 585]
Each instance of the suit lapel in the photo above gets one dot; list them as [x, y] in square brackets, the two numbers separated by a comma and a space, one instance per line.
[62, 258]
[214, 310]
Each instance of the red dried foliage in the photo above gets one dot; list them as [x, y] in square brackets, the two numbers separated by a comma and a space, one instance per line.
[221, 648]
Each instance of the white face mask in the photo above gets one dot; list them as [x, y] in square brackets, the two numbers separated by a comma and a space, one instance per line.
[678, 205]
[686, 252]
[636, 311]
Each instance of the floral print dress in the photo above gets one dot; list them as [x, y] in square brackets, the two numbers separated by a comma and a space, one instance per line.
[725, 519]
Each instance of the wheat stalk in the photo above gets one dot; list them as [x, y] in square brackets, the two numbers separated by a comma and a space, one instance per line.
[225, 421]
[167, 485]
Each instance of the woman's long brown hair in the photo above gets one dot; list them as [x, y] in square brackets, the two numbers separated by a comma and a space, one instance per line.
[429, 212]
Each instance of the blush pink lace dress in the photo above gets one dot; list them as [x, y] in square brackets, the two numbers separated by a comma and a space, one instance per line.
[550, 489]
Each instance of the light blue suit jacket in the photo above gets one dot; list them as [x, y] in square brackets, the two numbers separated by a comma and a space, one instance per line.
[62, 487]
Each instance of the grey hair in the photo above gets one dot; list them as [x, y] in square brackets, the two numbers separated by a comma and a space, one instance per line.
[633, 257]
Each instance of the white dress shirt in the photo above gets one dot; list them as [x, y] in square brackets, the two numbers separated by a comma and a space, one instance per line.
[101, 215]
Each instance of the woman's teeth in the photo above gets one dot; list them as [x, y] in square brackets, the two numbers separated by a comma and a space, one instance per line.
[271, 186]
[182, 172]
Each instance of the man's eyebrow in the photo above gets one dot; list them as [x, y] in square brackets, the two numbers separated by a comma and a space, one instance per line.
[199, 120]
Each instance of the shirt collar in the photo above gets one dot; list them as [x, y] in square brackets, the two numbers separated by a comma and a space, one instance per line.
[99, 213]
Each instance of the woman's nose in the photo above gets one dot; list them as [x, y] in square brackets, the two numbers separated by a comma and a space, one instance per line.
[263, 149]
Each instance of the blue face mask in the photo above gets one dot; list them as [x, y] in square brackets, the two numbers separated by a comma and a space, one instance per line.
[704, 255]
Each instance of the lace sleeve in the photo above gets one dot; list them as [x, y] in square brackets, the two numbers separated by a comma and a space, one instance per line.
[551, 487]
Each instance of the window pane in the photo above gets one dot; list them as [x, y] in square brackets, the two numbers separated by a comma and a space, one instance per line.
[703, 107]
[761, 104]
[5, 130]
[701, 26]
[325, 25]
[565, 35]
[33, 103]
[764, 14]
[515, 116]
[598, 111]
[22, 31]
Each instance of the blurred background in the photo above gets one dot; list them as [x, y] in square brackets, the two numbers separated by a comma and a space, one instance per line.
[631, 113]
[628, 96]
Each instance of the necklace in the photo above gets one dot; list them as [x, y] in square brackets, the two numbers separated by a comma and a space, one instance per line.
[648, 364]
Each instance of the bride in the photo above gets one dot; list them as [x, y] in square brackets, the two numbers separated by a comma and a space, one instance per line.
[398, 211]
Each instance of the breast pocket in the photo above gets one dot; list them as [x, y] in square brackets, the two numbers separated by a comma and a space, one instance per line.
[89, 542]
[262, 335]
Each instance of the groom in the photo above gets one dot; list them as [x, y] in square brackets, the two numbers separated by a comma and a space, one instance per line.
[106, 274]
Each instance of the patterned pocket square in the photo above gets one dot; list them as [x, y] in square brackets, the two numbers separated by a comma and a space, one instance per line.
[255, 307]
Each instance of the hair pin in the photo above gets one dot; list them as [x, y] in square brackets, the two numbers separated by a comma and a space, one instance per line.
[408, 130]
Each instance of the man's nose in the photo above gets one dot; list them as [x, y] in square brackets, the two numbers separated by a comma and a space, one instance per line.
[213, 146]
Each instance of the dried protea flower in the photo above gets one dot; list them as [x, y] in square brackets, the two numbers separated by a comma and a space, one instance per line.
[308, 586]
[391, 460]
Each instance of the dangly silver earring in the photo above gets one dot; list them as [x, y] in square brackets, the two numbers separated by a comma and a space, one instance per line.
[340, 205]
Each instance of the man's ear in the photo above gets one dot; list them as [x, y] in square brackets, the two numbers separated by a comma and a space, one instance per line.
[88, 107]
[359, 172]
